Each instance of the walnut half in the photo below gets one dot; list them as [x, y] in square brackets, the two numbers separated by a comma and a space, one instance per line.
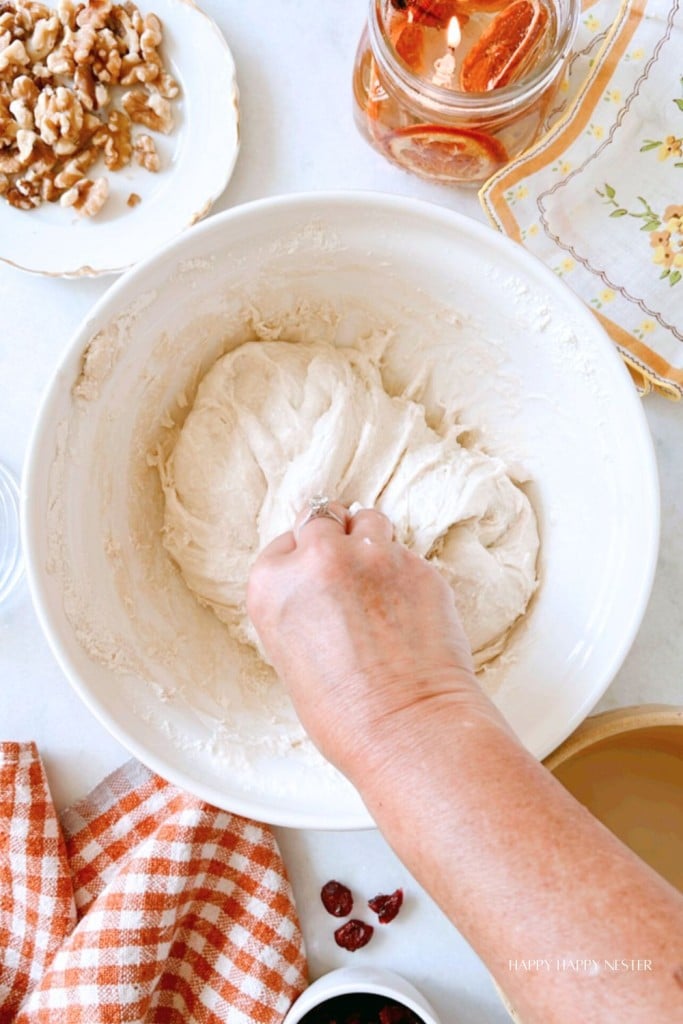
[146, 152]
[150, 109]
[87, 197]
[58, 115]
[116, 141]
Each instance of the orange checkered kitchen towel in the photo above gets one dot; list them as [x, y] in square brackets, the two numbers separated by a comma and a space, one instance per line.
[144, 904]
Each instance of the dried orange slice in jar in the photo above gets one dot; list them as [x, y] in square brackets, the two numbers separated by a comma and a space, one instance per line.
[446, 154]
[377, 95]
[408, 41]
[433, 13]
[504, 48]
[480, 6]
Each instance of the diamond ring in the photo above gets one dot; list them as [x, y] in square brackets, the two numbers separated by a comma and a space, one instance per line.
[319, 508]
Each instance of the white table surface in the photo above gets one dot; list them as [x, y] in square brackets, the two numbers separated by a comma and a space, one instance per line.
[294, 61]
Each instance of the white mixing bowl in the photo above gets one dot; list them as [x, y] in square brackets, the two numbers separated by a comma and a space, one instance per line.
[472, 316]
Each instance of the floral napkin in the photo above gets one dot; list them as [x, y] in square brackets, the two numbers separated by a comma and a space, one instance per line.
[142, 904]
[600, 197]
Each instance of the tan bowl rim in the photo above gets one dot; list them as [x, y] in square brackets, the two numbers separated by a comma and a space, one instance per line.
[615, 722]
[604, 725]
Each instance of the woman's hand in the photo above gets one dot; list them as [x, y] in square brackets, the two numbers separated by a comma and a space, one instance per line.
[364, 633]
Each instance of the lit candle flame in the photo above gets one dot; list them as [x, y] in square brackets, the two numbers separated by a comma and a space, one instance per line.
[444, 67]
[453, 33]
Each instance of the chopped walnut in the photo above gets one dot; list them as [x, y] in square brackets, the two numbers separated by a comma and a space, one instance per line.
[84, 43]
[25, 194]
[9, 163]
[107, 59]
[136, 72]
[24, 88]
[4, 185]
[87, 197]
[150, 109]
[150, 38]
[59, 118]
[118, 147]
[30, 11]
[8, 125]
[61, 60]
[43, 158]
[22, 114]
[94, 14]
[43, 38]
[84, 83]
[26, 140]
[91, 125]
[13, 55]
[126, 30]
[75, 168]
[146, 152]
[167, 86]
[42, 74]
[133, 199]
[49, 192]
[67, 11]
[145, 72]
[127, 72]
[9, 28]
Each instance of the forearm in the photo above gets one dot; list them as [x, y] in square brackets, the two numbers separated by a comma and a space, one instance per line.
[384, 686]
[523, 870]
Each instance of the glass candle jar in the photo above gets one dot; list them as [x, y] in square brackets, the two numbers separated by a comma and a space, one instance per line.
[454, 89]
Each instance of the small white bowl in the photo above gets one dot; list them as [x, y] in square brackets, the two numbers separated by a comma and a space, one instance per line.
[364, 981]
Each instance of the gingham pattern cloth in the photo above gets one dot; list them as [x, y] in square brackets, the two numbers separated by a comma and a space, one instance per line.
[141, 904]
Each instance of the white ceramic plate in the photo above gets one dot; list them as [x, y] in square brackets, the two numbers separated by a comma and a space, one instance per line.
[197, 159]
[535, 376]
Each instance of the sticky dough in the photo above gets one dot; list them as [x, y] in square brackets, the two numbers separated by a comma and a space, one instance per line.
[275, 422]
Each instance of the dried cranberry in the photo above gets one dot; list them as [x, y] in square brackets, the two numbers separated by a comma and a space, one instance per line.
[387, 906]
[337, 899]
[353, 935]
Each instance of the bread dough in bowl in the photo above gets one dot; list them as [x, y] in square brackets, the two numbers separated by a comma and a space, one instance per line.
[275, 422]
